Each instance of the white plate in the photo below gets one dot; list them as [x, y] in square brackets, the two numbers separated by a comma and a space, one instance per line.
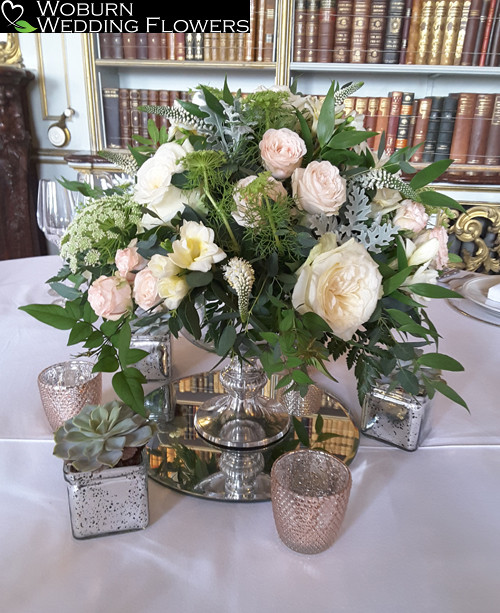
[475, 311]
[476, 290]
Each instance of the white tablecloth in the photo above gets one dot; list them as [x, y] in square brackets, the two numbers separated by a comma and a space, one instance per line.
[421, 534]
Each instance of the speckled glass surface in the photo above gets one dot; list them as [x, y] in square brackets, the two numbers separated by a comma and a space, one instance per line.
[157, 365]
[309, 491]
[395, 417]
[298, 405]
[66, 388]
[107, 501]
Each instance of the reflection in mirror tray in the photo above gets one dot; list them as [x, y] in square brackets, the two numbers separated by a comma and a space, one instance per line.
[183, 461]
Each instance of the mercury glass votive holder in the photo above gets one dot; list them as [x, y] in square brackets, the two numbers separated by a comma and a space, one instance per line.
[65, 388]
[309, 491]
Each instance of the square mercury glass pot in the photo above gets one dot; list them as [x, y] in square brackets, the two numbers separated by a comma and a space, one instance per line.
[157, 366]
[107, 501]
[396, 417]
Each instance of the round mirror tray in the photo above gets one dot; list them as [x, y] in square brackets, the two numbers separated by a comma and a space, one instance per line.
[180, 459]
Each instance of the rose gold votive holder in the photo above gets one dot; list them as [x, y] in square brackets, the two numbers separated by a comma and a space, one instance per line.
[309, 492]
[66, 388]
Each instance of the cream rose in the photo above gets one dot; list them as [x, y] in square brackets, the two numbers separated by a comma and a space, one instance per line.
[274, 191]
[319, 188]
[385, 200]
[195, 249]
[146, 289]
[110, 297]
[128, 261]
[411, 216]
[439, 234]
[282, 152]
[341, 284]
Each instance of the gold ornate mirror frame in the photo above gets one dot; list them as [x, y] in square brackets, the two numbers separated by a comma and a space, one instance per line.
[10, 52]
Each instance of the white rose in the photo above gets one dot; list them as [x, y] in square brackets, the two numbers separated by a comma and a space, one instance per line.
[195, 249]
[340, 284]
[173, 202]
[145, 289]
[411, 216]
[319, 188]
[274, 191]
[385, 200]
[282, 152]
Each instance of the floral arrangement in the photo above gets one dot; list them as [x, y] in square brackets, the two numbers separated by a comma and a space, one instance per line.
[263, 225]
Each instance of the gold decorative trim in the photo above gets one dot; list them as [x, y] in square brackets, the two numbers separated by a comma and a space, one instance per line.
[479, 227]
[285, 10]
[41, 77]
[92, 94]
[10, 52]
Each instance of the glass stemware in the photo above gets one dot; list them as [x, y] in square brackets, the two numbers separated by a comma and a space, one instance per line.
[55, 209]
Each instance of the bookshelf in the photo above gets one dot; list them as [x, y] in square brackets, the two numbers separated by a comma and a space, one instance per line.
[432, 79]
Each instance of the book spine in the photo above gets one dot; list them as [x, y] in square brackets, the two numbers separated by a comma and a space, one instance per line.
[142, 46]
[260, 32]
[393, 31]
[153, 101]
[125, 129]
[425, 32]
[117, 47]
[471, 32]
[376, 31]
[349, 104]
[359, 34]
[157, 46]
[371, 119]
[164, 99]
[413, 35]
[135, 114]
[240, 46]
[250, 36]
[446, 127]
[487, 33]
[180, 49]
[384, 105]
[421, 125]
[311, 32]
[413, 121]
[480, 32]
[361, 105]
[437, 32]
[462, 29]
[343, 28]
[111, 113]
[299, 30]
[463, 127]
[326, 30]
[432, 129]
[405, 32]
[199, 40]
[189, 46]
[492, 153]
[268, 52]
[404, 120]
[392, 124]
[129, 42]
[143, 101]
[494, 58]
[105, 46]
[450, 34]
[481, 123]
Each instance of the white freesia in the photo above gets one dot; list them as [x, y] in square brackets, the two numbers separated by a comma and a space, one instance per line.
[173, 290]
[341, 284]
[423, 274]
[439, 234]
[195, 248]
[423, 253]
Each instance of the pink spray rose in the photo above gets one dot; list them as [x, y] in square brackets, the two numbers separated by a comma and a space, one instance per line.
[282, 152]
[411, 216]
[128, 261]
[146, 289]
[110, 297]
[319, 188]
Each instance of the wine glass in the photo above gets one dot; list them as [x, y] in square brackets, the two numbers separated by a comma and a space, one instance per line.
[55, 209]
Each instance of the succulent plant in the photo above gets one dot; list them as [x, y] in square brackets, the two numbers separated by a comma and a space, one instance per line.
[100, 435]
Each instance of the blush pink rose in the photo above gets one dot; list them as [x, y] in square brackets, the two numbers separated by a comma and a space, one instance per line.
[110, 297]
[282, 152]
[274, 190]
[411, 216]
[146, 289]
[319, 188]
[129, 261]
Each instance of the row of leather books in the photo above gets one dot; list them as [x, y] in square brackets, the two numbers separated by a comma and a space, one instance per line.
[254, 46]
[122, 118]
[430, 32]
[464, 126]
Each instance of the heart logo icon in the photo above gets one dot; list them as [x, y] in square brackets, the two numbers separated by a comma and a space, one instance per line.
[12, 12]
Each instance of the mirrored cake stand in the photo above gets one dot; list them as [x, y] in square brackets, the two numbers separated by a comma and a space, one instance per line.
[181, 459]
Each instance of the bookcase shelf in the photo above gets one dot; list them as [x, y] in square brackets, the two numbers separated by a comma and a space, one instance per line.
[183, 64]
[405, 69]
